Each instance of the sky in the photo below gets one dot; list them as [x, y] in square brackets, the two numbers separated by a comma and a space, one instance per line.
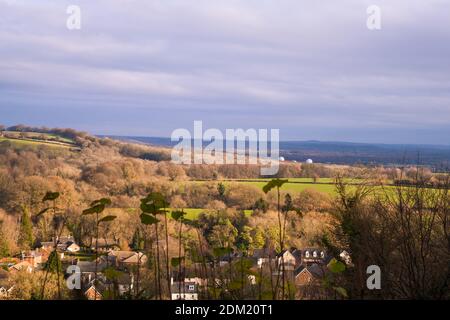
[309, 68]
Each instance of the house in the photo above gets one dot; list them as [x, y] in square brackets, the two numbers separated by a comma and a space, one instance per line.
[126, 259]
[104, 287]
[46, 245]
[252, 279]
[286, 261]
[189, 275]
[92, 293]
[73, 247]
[262, 256]
[70, 247]
[91, 266]
[104, 245]
[6, 291]
[305, 275]
[124, 283]
[34, 257]
[63, 244]
[308, 281]
[6, 287]
[225, 259]
[67, 244]
[22, 266]
[184, 291]
[92, 286]
[309, 256]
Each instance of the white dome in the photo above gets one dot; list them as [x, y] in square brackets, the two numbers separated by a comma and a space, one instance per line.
[281, 158]
[309, 161]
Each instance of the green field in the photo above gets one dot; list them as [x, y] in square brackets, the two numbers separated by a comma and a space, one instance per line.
[31, 140]
[299, 180]
[324, 185]
[33, 144]
[294, 187]
[297, 185]
[191, 213]
[38, 136]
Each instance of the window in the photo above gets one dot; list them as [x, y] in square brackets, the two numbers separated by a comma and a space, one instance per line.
[307, 254]
[315, 254]
[191, 287]
[322, 254]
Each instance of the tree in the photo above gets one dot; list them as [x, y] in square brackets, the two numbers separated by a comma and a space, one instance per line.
[221, 191]
[2, 128]
[177, 261]
[137, 243]
[223, 234]
[243, 196]
[277, 184]
[4, 246]
[151, 206]
[27, 286]
[288, 205]
[261, 205]
[403, 230]
[245, 240]
[53, 263]
[258, 238]
[26, 230]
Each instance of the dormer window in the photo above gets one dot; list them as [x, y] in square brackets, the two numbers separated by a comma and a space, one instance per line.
[307, 254]
[322, 254]
[315, 254]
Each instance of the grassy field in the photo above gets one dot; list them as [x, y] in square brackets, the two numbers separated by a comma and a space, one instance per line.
[297, 185]
[298, 180]
[38, 136]
[191, 213]
[293, 187]
[31, 140]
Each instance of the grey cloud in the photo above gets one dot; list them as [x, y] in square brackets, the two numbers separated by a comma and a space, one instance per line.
[309, 68]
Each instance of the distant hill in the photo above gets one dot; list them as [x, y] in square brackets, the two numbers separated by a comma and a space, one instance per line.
[436, 156]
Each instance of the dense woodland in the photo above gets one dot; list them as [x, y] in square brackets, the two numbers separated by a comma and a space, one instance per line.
[394, 217]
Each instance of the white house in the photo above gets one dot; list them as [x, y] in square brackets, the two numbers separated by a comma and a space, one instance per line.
[73, 247]
[263, 256]
[286, 260]
[184, 291]
[63, 244]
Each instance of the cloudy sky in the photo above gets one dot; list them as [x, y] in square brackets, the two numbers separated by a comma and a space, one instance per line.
[310, 68]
